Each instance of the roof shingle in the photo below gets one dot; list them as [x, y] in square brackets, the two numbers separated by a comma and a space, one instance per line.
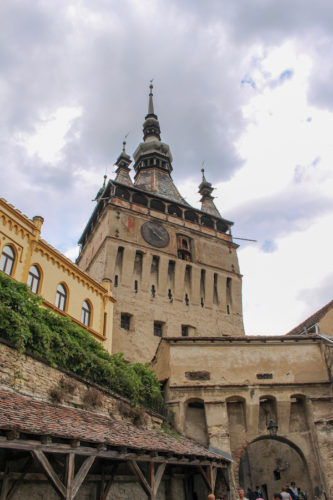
[33, 416]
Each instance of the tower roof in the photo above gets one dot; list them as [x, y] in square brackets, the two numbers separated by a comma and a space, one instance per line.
[153, 159]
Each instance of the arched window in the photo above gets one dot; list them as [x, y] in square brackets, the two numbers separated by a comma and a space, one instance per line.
[61, 297]
[33, 279]
[7, 260]
[86, 313]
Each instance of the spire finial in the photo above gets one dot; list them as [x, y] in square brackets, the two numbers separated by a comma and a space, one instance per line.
[124, 146]
[203, 173]
[151, 104]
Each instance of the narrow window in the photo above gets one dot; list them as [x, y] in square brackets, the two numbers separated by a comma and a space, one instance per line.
[61, 297]
[105, 323]
[158, 329]
[154, 269]
[229, 295]
[216, 295]
[119, 261]
[136, 286]
[202, 283]
[125, 321]
[184, 331]
[85, 313]
[138, 264]
[33, 279]
[116, 280]
[7, 260]
[171, 273]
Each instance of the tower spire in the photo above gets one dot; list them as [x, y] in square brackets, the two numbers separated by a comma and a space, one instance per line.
[207, 203]
[151, 126]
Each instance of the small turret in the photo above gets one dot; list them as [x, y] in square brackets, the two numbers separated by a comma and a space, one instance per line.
[207, 203]
[123, 169]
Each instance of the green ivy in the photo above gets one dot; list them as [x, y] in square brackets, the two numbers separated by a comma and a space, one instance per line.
[61, 342]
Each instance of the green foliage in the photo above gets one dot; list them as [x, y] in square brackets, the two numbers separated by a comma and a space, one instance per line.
[62, 343]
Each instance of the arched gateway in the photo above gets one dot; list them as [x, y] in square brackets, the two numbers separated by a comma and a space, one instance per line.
[272, 462]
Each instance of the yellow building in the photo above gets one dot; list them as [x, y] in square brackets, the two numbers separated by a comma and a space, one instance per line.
[64, 287]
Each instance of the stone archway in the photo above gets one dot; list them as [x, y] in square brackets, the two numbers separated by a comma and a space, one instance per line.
[272, 462]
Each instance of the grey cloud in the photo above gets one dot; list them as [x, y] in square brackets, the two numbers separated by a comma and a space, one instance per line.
[267, 219]
[197, 56]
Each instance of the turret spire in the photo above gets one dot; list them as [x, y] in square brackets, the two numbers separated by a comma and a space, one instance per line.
[151, 104]
[207, 203]
[123, 169]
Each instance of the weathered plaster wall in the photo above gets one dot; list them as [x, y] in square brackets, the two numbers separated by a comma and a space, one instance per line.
[250, 382]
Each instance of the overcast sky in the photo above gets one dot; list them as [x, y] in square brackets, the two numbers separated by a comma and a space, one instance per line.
[245, 87]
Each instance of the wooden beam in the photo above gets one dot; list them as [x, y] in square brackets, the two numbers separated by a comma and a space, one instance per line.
[110, 454]
[152, 480]
[204, 477]
[81, 475]
[143, 481]
[42, 459]
[107, 488]
[4, 489]
[70, 470]
[212, 477]
[158, 477]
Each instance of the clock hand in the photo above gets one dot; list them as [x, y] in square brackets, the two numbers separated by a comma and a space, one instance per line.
[156, 234]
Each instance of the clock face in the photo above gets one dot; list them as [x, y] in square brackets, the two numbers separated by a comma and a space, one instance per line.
[155, 234]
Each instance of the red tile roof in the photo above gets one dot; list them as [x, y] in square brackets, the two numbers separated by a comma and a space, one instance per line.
[311, 320]
[33, 416]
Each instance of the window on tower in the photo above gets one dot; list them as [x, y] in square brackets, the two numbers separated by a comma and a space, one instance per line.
[125, 321]
[158, 329]
[184, 248]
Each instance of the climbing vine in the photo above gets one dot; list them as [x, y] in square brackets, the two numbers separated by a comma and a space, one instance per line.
[58, 340]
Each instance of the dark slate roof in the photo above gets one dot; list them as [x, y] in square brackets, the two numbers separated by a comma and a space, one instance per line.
[157, 182]
[311, 320]
[32, 416]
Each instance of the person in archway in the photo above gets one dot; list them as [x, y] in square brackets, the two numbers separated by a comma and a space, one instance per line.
[241, 495]
[293, 491]
[258, 492]
[284, 493]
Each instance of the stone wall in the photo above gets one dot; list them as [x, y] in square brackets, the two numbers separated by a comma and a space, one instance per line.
[31, 376]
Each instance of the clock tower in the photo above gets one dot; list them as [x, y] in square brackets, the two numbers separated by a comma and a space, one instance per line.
[174, 268]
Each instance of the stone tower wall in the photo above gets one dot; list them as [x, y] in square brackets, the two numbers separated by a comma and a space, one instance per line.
[212, 253]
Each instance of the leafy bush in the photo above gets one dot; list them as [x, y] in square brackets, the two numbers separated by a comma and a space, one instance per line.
[62, 343]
